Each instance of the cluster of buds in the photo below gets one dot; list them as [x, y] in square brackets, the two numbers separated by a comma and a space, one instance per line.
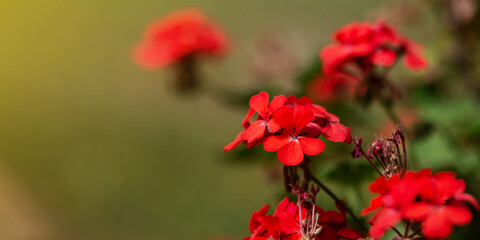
[389, 153]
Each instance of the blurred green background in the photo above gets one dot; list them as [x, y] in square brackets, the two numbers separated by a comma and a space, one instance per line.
[94, 147]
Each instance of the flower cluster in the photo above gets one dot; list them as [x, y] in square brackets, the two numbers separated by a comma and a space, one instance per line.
[436, 202]
[178, 36]
[291, 126]
[352, 61]
[300, 221]
[366, 45]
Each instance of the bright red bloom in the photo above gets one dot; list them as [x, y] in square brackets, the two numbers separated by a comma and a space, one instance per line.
[437, 202]
[255, 132]
[285, 223]
[295, 139]
[367, 44]
[176, 36]
[259, 104]
[289, 125]
[326, 123]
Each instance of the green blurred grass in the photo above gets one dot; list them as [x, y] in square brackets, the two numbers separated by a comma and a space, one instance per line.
[106, 148]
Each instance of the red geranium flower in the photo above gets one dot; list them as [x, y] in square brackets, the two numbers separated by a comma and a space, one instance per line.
[289, 125]
[367, 44]
[283, 223]
[315, 223]
[437, 202]
[259, 104]
[326, 123]
[296, 139]
[254, 132]
[176, 36]
[445, 207]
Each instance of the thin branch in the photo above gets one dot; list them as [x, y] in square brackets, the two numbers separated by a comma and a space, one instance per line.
[366, 156]
[407, 228]
[414, 233]
[339, 202]
[396, 230]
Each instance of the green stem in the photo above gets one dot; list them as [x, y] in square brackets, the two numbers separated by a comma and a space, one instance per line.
[339, 202]
[414, 233]
[407, 228]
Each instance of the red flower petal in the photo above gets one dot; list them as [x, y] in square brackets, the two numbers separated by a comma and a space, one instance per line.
[289, 224]
[383, 57]
[354, 32]
[458, 215]
[273, 127]
[384, 220]
[234, 143]
[311, 146]
[304, 100]
[350, 233]
[379, 185]
[468, 198]
[284, 118]
[250, 113]
[337, 132]
[282, 206]
[180, 34]
[273, 225]
[277, 103]
[318, 111]
[290, 154]
[332, 117]
[257, 217]
[312, 130]
[336, 216]
[152, 57]
[437, 225]
[254, 131]
[302, 117]
[259, 102]
[375, 203]
[413, 58]
[331, 56]
[447, 185]
[361, 49]
[444, 175]
[274, 143]
[327, 232]
[417, 211]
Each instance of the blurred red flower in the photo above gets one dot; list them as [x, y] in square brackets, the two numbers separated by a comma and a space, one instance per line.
[437, 202]
[179, 35]
[369, 44]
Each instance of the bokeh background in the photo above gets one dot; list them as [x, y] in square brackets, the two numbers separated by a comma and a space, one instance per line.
[94, 147]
